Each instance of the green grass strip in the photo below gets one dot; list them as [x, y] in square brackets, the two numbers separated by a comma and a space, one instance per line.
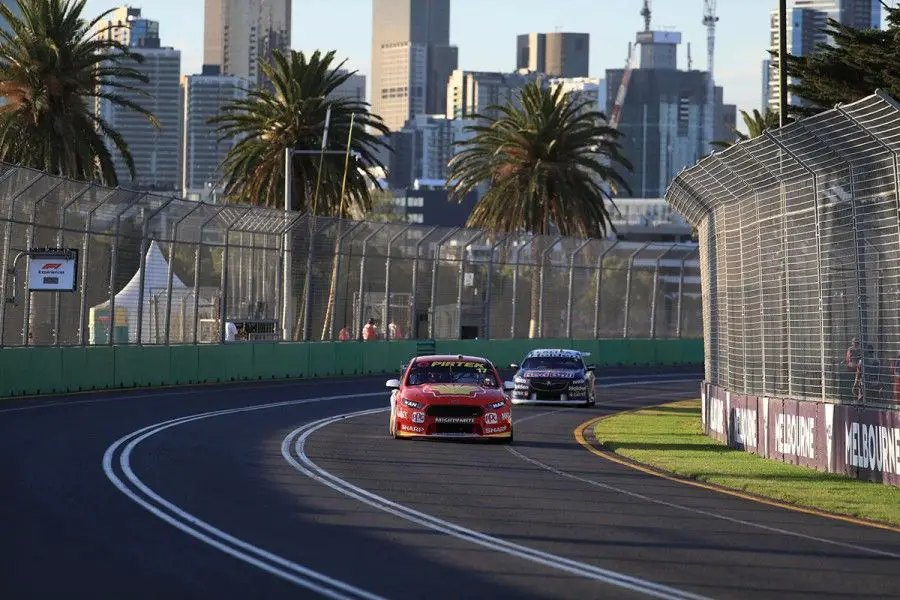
[670, 437]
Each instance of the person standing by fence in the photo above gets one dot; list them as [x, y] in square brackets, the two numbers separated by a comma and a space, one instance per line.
[369, 333]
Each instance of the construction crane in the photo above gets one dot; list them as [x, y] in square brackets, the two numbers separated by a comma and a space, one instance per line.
[710, 19]
[645, 12]
[630, 64]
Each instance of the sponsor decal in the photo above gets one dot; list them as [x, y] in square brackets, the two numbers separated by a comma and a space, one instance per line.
[418, 417]
[478, 366]
[744, 426]
[557, 354]
[402, 414]
[549, 374]
[873, 447]
[488, 430]
[411, 428]
[795, 435]
[506, 417]
[51, 268]
[453, 389]
[454, 419]
[491, 418]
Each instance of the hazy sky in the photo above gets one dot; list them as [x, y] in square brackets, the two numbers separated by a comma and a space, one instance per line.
[485, 32]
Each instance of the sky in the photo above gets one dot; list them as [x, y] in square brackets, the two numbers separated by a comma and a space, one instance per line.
[485, 32]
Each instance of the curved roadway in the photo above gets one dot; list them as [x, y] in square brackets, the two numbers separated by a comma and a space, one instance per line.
[290, 490]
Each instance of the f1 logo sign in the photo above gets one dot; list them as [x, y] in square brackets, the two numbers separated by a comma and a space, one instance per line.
[51, 266]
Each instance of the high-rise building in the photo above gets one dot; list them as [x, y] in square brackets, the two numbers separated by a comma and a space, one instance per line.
[472, 93]
[238, 33]
[156, 150]
[203, 151]
[590, 89]
[422, 149]
[412, 58]
[353, 88]
[806, 20]
[662, 119]
[557, 54]
[126, 26]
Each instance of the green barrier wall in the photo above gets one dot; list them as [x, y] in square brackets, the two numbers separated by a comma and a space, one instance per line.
[30, 371]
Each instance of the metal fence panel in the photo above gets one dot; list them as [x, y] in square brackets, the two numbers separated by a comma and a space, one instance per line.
[799, 246]
[155, 269]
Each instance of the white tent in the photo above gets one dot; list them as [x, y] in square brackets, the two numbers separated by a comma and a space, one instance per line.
[127, 301]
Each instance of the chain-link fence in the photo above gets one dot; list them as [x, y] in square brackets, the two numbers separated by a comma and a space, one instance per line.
[158, 270]
[799, 247]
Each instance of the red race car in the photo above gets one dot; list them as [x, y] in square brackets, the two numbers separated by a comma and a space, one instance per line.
[451, 397]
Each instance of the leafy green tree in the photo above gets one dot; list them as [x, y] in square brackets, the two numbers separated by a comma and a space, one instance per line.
[550, 162]
[54, 67]
[290, 112]
[858, 62]
[756, 125]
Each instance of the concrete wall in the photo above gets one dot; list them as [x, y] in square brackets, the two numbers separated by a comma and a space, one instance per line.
[54, 370]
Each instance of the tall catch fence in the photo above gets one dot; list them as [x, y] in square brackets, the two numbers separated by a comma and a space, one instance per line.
[161, 270]
[800, 255]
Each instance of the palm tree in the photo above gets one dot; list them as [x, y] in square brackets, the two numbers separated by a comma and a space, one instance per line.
[291, 114]
[54, 66]
[551, 163]
[756, 125]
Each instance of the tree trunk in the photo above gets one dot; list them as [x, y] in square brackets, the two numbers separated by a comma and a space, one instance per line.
[537, 255]
[332, 287]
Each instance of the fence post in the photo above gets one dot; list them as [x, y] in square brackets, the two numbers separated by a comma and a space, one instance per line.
[515, 290]
[59, 242]
[655, 293]
[337, 275]
[414, 308]
[434, 275]
[171, 270]
[678, 321]
[597, 289]
[362, 278]
[818, 226]
[83, 259]
[223, 302]
[386, 310]
[219, 209]
[461, 281]
[307, 281]
[543, 266]
[570, 296]
[488, 293]
[7, 238]
[29, 242]
[142, 264]
[628, 278]
[113, 269]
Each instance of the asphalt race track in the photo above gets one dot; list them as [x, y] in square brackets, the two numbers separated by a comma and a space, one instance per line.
[291, 490]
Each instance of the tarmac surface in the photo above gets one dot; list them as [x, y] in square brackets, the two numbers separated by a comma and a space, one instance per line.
[295, 489]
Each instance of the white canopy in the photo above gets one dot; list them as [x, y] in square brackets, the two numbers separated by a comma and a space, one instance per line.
[156, 282]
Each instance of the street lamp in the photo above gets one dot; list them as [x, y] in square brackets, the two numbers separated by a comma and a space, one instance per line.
[782, 63]
[287, 307]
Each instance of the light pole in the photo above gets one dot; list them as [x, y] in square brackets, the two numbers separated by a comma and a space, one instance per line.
[782, 63]
[287, 304]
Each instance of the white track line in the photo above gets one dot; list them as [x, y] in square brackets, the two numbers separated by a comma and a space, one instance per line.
[203, 531]
[294, 452]
[698, 511]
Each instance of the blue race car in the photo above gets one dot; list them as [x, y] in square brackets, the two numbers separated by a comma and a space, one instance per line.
[554, 376]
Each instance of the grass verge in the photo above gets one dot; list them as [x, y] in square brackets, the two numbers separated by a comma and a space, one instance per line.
[670, 437]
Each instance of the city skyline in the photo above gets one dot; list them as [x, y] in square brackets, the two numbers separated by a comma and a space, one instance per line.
[486, 37]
